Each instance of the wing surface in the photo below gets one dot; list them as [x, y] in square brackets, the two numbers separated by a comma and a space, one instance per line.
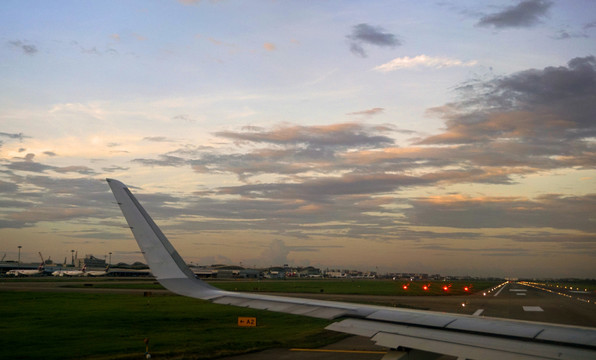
[464, 336]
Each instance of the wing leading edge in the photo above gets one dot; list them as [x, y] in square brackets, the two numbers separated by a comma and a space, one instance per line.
[463, 336]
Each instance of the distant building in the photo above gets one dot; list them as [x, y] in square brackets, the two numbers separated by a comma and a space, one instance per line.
[91, 261]
[310, 272]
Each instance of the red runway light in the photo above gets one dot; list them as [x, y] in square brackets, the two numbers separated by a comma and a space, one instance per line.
[445, 287]
[466, 288]
[425, 287]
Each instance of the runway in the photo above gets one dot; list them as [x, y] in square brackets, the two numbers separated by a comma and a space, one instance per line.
[523, 302]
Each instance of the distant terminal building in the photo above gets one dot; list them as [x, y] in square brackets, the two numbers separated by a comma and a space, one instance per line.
[220, 271]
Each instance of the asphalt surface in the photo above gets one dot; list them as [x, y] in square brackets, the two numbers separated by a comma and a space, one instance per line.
[514, 301]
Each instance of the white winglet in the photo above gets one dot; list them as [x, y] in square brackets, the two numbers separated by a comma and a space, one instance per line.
[165, 262]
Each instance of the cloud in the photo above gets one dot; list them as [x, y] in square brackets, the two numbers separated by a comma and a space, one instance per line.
[92, 50]
[184, 117]
[83, 170]
[530, 121]
[541, 107]
[7, 187]
[11, 136]
[53, 199]
[37, 214]
[18, 136]
[13, 224]
[364, 34]
[423, 61]
[29, 165]
[369, 112]
[164, 160]
[276, 253]
[525, 14]
[590, 25]
[546, 211]
[288, 149]
[112, 169]
[324, 189]
[269, 46]
[220, 43]
[27, 49]
[347, 134]
[565, 35]
[156, 139]
[139, 37]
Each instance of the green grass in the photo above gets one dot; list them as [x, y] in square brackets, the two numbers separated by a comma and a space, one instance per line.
[38, 325]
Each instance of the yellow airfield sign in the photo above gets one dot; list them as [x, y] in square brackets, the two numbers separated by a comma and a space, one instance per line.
[247, 321]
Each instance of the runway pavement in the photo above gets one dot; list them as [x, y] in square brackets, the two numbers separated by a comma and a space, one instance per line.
[523, 302]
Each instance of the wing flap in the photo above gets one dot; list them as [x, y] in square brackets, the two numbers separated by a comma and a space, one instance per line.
[406, 316]
[499, 327]
[568, 334]
[460, 344]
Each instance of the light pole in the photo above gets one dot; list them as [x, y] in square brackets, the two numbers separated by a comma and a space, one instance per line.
[110, 262]
[19, 261]
[72, 257]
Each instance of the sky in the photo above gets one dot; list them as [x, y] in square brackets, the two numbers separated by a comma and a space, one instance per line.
[451, 137]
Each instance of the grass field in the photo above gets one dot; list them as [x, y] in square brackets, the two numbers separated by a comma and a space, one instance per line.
[39, 325]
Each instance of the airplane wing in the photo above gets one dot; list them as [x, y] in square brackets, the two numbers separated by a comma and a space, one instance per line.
[406, 333]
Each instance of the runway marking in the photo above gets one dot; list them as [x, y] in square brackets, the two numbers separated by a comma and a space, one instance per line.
[532, 308]
[498, 292]
[518, 290]
[522, 294]
[478, 312]
[341, 351]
